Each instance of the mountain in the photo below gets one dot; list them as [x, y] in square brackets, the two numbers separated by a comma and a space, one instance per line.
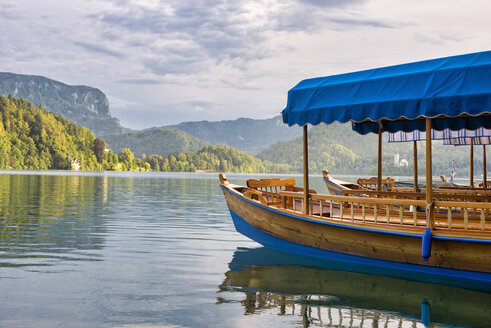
[244, 133]
[159, 141]
[81, 104]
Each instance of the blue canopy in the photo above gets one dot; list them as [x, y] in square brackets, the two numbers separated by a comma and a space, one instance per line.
[456, 91]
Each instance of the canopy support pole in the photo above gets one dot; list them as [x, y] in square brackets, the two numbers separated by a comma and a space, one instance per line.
[472, 163]
[485, 173]
[379, 169]
[415, 164]
[429, 178]
[305, 171]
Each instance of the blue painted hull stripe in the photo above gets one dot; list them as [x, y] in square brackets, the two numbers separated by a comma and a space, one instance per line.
[270, 241]
[486, 241]
[337, 192]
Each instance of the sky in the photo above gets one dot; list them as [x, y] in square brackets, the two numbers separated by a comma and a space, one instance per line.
[165, 62]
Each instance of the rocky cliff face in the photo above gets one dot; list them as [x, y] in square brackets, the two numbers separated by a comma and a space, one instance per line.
[81, 104]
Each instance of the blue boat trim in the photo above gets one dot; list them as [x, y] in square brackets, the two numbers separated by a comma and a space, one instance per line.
[486, 241]
[337, 192]
[391, 268]
[356, 228]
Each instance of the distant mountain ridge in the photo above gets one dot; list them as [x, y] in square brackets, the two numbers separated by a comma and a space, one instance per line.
[159, 141]
[245, 134]
[251, 135]
[81, 104]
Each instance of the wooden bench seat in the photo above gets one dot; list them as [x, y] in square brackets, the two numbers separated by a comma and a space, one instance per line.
[267, 190]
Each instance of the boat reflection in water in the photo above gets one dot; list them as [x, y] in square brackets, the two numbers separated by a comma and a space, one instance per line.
[321, 294]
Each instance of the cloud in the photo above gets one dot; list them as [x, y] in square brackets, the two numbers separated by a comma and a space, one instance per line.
[140, 81]
[98, 49]
[166, 62]
[213, 28]
[10, 11]
[354, 22]
[439, 37]
[312, 19]
[186, 37]
[333, 3]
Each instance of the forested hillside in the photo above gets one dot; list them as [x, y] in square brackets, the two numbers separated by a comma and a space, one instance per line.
[36, 139]
[161, 141]
[342, 151]
[32, 138]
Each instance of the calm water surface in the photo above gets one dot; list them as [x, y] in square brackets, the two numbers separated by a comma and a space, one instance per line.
[160, 250]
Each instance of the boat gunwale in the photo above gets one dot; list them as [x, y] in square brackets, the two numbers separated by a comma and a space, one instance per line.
[373, 228]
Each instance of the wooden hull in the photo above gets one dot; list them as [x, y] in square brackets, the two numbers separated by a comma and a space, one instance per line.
[397, 250]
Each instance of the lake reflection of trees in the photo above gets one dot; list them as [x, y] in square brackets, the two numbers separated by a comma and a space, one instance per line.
[43, 217]
[281, 284]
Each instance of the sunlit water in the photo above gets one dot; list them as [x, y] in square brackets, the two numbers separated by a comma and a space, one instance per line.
[160, 250]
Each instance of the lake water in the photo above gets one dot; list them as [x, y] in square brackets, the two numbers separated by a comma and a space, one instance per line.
[160, 250]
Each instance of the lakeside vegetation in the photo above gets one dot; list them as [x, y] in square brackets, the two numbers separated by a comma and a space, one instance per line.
[34, 138]
[216, 158]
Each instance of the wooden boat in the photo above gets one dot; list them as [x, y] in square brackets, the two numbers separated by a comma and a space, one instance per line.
[339, 187]
[437, 232]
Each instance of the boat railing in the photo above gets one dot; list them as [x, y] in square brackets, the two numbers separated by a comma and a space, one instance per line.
[463, 215]
[454, 215]
[439, 194]
[362, 209]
